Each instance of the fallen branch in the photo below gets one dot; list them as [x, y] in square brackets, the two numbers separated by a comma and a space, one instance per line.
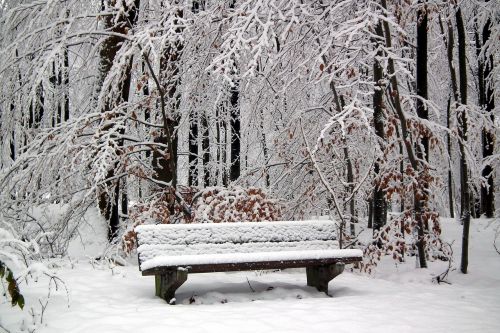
[442, 278]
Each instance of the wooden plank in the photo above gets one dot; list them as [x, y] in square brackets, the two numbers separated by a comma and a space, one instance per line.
[236, 233]
[248, 266]
[150, 251]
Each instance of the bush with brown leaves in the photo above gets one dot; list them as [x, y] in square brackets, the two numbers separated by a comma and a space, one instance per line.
[209, 205]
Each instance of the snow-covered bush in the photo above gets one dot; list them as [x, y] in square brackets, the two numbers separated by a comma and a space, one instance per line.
[21, 262]
[235, 204]
[209, 205]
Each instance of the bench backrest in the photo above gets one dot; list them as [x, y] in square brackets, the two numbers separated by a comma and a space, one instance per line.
[242, 237]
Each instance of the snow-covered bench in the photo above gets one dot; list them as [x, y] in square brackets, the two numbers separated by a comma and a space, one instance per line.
[171, 251]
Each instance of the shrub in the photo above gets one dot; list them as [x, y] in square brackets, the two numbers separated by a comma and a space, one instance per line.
[209, 205]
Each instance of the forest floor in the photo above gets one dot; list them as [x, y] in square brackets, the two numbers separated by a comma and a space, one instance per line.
[397, 298]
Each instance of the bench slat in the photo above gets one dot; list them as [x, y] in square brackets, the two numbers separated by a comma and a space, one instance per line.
[239, 232]
[244, 258]
[247, 266]
[148, 252]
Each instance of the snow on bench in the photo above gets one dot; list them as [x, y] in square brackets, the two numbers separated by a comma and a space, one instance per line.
[170, 251]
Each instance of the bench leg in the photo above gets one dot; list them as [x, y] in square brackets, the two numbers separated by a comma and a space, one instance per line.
[166, 284]
[319, 276]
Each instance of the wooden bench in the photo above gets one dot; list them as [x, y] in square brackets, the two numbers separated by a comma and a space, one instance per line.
[171, 251]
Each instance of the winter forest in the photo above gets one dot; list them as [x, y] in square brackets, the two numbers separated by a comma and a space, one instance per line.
[379, 115]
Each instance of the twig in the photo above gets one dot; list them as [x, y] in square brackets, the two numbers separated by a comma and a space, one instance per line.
[43, 307]
[253, 290]
[57, 281]
[495, 243]
[497, 234]
[321, 176]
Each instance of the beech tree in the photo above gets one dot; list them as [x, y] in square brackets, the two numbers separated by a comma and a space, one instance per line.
[120, 24]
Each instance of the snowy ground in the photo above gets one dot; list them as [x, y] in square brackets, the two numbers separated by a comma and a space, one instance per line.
[396, 299]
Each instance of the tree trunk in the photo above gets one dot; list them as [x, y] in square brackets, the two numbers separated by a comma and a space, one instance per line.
[402, 172]
[12, 144]
[422, 148]
[422, 112]
[109, 202]
[60, 82]
[235, 123]
[218, 147]
[223, 162]
[194, 119]
[205, 147]
[487, 100]
[37, 108]
[193, 149]
[198, 5]
[264, 147]
[415, 164]
[370, 214]
[378, 124]
[220, 137]
[462, 131]
[165, 162]
[352, 202]
[451, 202]
[55, 83]
[147, 116]
[13, 137]
[449, 43]
[124, 199]
[65, 75]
